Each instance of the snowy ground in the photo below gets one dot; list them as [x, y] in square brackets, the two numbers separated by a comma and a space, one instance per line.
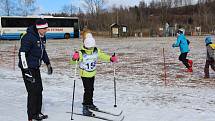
[141, 90]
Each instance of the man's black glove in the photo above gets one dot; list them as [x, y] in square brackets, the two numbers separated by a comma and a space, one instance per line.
[50, 70]
[28, 76]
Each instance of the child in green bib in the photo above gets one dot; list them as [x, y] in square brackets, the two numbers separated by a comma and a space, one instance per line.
[87, 57]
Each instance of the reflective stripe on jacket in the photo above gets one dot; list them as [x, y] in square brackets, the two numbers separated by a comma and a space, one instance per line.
[34, 48]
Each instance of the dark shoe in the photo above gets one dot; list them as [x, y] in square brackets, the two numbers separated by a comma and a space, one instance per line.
[86, 111]
[43, 116]
[93, 107]
[206, 77]
[37, 118]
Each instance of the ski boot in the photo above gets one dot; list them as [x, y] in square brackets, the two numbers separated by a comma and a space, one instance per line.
[86, 111]
[206, 76]
[93, 107]
[43, 116]
[37, 118]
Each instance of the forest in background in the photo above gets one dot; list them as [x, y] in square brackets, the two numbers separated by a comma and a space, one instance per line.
[141, 18]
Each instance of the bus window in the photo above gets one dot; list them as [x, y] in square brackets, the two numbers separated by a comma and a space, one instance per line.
[58, 26]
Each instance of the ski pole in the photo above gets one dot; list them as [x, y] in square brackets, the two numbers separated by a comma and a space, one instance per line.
[73, 95]
[14, 57]
[114, 80]
[165, 81]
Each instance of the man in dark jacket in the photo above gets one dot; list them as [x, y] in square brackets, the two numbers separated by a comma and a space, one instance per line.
[31, 54]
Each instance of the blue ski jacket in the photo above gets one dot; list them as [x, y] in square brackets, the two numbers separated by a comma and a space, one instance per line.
[34, 47]
[182, 43]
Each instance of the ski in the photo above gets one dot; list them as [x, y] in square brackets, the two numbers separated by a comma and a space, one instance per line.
[99, 117]
[107, 112]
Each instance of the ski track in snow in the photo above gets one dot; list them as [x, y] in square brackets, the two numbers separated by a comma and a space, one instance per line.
[141, 91]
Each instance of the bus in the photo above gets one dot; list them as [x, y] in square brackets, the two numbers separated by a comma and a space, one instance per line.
[13, 27]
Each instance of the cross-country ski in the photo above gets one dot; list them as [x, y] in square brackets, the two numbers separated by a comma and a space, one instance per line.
[108, 112]
[118, 113]
[102, 117]
[107, 60]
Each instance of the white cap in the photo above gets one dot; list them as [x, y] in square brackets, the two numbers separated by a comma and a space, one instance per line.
[42, 26]
[89, 42]
[41, 23]
[182, 30]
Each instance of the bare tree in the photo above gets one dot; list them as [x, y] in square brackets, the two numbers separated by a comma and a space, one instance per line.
[70, 9]
[165, 5]
[177, 3]
[99, 4]
[94, 6]
[88, 4]
[26, 7]
[95, 9]
[7, 7]
[154, 4]
[205, 12]
[150, 17]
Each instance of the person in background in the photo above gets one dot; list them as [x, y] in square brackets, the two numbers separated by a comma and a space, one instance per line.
[210, 47]
[31, 54]
[87, 57]
[183, 43]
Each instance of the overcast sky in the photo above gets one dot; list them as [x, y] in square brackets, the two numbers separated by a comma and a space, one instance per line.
[52, 6]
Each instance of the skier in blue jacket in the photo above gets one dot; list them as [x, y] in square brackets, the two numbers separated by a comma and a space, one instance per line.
[183, 44]
[31, 54]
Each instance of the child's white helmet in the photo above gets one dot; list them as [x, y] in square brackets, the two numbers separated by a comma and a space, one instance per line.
[181, 31]
[89, 42]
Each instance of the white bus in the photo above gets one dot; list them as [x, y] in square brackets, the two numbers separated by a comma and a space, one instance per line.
[13, 27]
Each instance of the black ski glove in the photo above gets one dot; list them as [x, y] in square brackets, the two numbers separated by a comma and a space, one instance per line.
[50, 70]
[28, 76]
